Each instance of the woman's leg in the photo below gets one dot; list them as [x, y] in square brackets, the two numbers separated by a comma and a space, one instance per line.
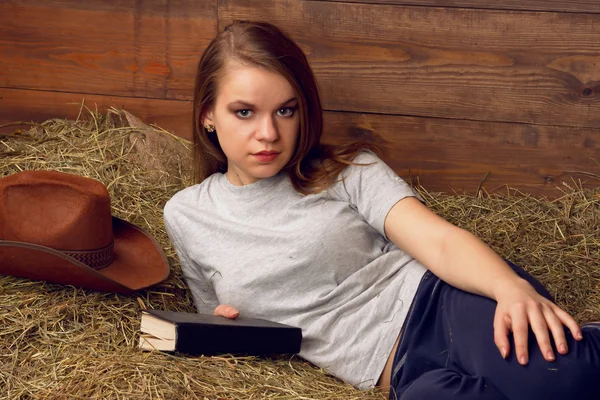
[472, 350]
[444, 383]
[449, 352]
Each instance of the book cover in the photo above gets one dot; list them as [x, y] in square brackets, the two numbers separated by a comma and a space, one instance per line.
[210, 335]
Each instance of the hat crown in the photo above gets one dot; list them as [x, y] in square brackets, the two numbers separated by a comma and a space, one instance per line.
[57, 210]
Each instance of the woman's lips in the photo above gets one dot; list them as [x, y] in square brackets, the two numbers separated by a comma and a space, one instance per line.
[266, 156]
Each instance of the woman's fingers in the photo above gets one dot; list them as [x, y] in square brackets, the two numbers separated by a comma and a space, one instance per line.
[567, 320]
[557, 329]
[223, 310]
[520, 328]
[521, 308]
[547, 322]
[501, 330]
[541, 319]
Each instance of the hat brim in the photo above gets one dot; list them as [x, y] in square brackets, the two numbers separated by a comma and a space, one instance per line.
[139, 263]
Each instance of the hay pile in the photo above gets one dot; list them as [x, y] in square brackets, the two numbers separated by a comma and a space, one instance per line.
[61, 342]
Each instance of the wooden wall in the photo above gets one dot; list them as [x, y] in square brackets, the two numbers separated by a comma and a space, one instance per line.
[454, 90]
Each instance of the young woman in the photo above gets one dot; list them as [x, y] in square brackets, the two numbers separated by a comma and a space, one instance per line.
[331, 240]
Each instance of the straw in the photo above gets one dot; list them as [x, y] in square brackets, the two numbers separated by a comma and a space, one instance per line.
[60, 342]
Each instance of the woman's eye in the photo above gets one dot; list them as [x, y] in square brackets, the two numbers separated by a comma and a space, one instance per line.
[244, 113]
[286, 112]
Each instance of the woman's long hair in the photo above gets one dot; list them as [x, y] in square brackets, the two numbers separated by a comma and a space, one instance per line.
[313, 166]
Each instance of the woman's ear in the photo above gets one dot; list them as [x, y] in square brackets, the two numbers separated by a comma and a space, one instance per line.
[208, 118]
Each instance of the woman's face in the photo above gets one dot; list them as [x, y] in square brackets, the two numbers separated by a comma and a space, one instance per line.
[256, 121]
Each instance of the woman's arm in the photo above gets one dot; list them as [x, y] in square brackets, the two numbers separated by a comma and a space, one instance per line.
[453, 254]
[462, 260]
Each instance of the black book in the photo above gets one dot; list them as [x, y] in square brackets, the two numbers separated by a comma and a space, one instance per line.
[209, 334]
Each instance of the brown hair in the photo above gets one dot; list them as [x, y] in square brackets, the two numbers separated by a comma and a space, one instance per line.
[313, 165]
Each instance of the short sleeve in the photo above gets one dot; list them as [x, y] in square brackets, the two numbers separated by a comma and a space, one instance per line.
[372, 189]
[204, 295]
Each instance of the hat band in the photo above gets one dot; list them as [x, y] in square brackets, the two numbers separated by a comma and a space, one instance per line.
[97, 259]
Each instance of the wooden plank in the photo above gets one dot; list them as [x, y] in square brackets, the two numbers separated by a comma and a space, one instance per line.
[454, 155]
[143, 48]
[579, 6]
[31, 105]
[444, 154]
[529, 67]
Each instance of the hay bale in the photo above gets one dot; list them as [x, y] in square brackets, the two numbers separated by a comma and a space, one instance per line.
[557, 241]
[62, 342]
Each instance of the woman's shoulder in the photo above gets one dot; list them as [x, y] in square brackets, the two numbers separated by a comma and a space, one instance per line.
[364, 159]
[191, 191]
[366, 156]
[352, 172]
[189, 197]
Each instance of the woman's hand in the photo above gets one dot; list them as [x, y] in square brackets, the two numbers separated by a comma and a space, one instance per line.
[223, 310]
[520, 306]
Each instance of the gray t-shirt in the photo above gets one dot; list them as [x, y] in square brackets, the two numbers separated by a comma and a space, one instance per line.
[320, 262]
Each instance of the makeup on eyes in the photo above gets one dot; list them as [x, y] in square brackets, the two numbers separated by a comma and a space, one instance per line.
[239, 105]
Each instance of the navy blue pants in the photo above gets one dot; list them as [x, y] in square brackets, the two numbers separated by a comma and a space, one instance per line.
[447, 351]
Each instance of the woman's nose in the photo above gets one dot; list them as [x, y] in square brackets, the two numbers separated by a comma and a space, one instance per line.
[267, 130]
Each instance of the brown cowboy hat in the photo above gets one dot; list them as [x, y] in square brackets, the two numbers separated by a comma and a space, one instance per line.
[58, 227]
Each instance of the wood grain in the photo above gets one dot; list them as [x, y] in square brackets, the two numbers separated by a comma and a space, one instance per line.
[531, 67]
[453, 155]
[444, 154]
[143, 48]
[579, 6]
[31, 105]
